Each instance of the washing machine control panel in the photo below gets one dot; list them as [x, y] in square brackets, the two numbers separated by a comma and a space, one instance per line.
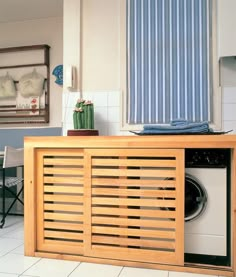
[207, 157]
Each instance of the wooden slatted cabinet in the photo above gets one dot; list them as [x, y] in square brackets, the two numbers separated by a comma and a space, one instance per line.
[115, 200]
[97, 204]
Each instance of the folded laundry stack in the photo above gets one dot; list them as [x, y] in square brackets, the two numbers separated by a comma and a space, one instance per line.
[177, 127]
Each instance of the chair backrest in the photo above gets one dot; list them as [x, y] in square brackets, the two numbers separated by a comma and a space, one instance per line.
[13, 157]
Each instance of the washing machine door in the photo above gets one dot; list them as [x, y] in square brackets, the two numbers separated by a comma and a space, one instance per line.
[195, 198]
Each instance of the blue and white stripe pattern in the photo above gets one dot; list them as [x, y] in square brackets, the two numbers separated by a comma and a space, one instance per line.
[169, 60]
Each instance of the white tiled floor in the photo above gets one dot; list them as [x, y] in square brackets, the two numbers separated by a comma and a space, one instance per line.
[13, 263]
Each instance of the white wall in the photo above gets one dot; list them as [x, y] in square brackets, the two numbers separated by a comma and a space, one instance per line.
[71, 43]
[100, 42]
[44, 31]
[91, 43]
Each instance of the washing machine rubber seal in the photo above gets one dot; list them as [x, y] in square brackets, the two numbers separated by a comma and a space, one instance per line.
[195, 198]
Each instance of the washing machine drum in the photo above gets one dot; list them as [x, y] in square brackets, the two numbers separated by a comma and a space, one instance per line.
[195, 198]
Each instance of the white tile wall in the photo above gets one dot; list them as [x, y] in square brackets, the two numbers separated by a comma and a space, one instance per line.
[229, 112]
[107, 110]
[229, 109]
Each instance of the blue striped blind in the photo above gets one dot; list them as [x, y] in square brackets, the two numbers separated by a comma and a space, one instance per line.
[169, 48]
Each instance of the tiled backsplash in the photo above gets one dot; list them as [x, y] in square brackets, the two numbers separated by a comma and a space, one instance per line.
[107, 111]
[229, 109]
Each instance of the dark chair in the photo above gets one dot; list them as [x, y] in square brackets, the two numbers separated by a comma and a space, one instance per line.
[13, 186]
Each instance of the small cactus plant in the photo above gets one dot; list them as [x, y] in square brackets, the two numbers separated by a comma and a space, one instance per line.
[83, 116]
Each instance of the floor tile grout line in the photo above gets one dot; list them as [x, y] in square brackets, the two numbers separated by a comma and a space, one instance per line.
[120, 271]
[20, 227]
[28, 275]
[11, 251]
[30, 266]
[10, 237]
[74, 269]
[8, 232]
[18, 247]
[23, 271]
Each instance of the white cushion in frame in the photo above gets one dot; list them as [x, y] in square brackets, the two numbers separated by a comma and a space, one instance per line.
[31, 84]
[7, 87]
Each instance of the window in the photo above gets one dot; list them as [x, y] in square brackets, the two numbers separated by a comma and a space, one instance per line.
[170, 61]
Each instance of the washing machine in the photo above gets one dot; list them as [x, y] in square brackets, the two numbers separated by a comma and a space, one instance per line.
[206, 203]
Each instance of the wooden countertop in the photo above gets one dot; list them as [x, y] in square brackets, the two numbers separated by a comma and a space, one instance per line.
[160, 141]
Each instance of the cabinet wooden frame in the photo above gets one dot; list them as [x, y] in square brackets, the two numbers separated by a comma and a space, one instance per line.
[93, 150]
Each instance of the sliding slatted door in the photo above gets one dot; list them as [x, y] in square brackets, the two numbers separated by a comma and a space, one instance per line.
[60, 202]
[136, 206]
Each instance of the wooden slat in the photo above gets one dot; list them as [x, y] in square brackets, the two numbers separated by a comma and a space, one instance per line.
[166, 183]
[65, 217]
[59, 246]
[62, 152]
[133, 212]
[134, 173]
[133, 202]
[64, 189]
[155, 162]
[134, 192]
[147, 222]
[63, 235]
[63, 198]
[64, 207]
[63, 180]
[63, 246]
[64, 171]
[131, 254]
[133, 242]
[64, 162]
[63, 226]
[133, 232]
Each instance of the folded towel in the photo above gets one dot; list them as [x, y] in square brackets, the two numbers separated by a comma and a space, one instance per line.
[177, 122]
[177, 127]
